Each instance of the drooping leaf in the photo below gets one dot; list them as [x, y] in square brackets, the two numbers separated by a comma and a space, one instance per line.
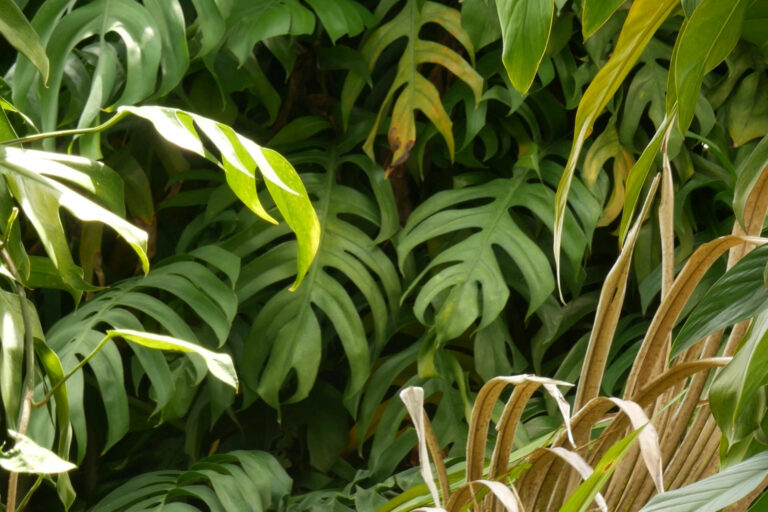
[583, 496]
[240, 157]
[152, 33]
[707, 37]
[287, 333]
[12, 327]
[749, 173]
[747, 111]
[258, 20]
[43, 183]
[342, 17]
[525, 27]
[643, 19]
[412, 89]
[15, 27]
[129, 305]
[220, 365]
[735, 398]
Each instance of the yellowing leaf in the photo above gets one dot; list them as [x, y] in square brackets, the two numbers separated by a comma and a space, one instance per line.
[707, 38]
[643, 19]
[525, 26]
[417, 92]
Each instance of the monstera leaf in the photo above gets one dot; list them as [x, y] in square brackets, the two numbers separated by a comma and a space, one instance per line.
[412, 89]
[350, 279]
[464, 282]
[230, 482]
[185, 288]
[152, 35]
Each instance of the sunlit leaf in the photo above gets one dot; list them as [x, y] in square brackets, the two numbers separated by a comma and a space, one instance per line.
[26, 456]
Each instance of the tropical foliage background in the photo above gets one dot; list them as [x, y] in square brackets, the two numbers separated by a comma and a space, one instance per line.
[301, 255]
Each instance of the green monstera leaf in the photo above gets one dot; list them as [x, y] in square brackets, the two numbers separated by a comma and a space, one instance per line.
[351, 278]
[85, 46]
[187, 287]
[228, 482]
[464, 282]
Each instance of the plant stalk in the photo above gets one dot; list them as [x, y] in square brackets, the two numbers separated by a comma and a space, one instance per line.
[29, 371]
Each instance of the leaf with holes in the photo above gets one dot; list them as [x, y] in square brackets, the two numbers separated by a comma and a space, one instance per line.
[464, 282]
[412, 90]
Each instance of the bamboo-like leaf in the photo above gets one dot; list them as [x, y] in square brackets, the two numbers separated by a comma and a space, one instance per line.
[413, 398]
[738, 295]
[525, 27]
[467, 493]
[707, 37]
[15, 27]
[417, 93]
[608, 313]
[644, 17]
[26, 456]
[752, 177]
[586, 492]
[481, 416]
[637, 176]
[648, 439]
[580, 465]
[653, 350]
[715, 492]
[734, 397]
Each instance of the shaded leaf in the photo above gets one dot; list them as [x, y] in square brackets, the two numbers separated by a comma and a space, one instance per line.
[525, 29]
[707, 37]
[15, 27]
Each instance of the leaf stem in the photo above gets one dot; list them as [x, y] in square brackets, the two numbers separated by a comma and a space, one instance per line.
[64, 133]
[25, 500]
[29, 369]
[69, 374]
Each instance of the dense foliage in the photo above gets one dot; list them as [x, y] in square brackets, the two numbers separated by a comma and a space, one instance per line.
[340, 232]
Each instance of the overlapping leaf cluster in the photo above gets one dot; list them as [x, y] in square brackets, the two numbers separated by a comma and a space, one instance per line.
[395, 177]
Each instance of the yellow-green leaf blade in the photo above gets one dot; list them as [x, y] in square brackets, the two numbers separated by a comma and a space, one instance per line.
[525, 28]
[643, 19]
[220, 365]
[707, 37]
